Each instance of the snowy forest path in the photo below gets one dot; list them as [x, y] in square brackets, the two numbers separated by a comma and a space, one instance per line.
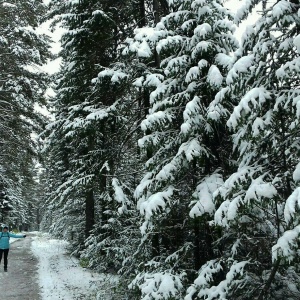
[21, 280]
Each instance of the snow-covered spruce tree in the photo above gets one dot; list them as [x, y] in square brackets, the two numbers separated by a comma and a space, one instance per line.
[92, 142]
[188, 155]
[62, 209]
[116, 108]
[256, 204]
[22, 85]
[71, 142]
[115, 243]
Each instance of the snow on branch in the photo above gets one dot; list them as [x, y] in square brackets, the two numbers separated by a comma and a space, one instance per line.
[144, 50]
[119, 195]
[98, 115]
[242, 65]
[259, 189]
[297, 42]
[169, 43]
[252, 100]
[289, 68]
[203, 30]
[9, 5]
[204, 195]
[155, 202]
[192, 149]
[144, 41]
[186, 152]
[287, 246]
[256, 191]
[203, 287]
[296, 174]
[115, 75]
[159, 117]
[291, 204]
[158, 286]
[193, 116]
[281, 9]
[214, 77]
[245, 10]
[216, 109]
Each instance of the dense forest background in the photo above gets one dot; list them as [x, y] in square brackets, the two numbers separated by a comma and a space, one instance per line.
[170, 154]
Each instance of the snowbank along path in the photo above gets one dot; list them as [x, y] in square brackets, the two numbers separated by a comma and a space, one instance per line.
[61, 277]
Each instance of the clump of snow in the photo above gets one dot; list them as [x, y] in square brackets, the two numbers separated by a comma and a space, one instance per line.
[155, 202]
[296, 101]
[157, 117]
[6, 4]
[192, 108]
[297, 42]
[242, 65]
[202, 30]
[296, 174]
[98, 12]
[98, 115]
[119, 195]
[171, 41]
[116, 75]
[287, 245]
[260, 189]
[144, 50]
[281, 8]
[259, 124]
[202, 63]
[153, 80]
[204, 195]
[159, 285]
[214, 76]
[242, 11]
[280, 73]
[139, 81]
[192, 149]
[203, 288]
[192, 74]
[149, 34]
[224, 60]
[144, 184]
[291, 204]
[216, 109]
[253, 99]
[201, 47]
[257, 190]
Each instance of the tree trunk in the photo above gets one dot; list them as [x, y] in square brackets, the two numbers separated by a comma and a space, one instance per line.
[197, 255]
[156, 20]
[142, 19]
[89, 212]
[89, 198]
[264, 291]
[156, 11]
[155, 245]
[164, 6]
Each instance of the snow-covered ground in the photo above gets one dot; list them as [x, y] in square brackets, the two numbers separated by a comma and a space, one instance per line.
[61, 276]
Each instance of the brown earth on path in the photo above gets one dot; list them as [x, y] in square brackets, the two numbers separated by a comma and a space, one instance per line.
[21, 280]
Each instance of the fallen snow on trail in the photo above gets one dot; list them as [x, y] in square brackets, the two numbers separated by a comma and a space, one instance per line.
[61, 276]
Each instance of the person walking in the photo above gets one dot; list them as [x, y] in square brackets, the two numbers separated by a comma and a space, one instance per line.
[5, 235]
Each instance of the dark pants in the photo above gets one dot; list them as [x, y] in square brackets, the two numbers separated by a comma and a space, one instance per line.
[5, 251]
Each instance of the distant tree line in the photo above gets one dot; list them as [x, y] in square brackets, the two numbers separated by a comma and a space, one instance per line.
[22, 87]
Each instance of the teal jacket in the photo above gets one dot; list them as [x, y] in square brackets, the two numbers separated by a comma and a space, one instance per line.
[4, 239]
